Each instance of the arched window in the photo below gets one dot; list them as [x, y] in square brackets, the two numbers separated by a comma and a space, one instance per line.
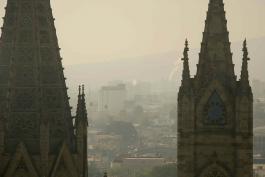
[214, 111]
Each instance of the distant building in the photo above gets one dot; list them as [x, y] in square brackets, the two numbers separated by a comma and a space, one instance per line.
[259, 141]
[259, 144]
[101, 141]
[112, 98]
[259, 167]
[108, 142]
[142, 162]
[259, 88]
[132, 165]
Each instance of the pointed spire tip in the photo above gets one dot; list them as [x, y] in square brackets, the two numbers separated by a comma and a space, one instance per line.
[186, 43]
[79, 89]
[245, 43]
[186, 49]
[245, 49]
[83, 89]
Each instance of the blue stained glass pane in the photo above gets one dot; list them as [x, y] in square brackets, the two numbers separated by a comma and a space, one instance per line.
[215, 110]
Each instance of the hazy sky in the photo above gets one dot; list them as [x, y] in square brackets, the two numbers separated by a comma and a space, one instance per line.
[102, 30]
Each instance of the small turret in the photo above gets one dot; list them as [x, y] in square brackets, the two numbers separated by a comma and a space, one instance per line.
[186, 69]
[81, 125]
[244, 79]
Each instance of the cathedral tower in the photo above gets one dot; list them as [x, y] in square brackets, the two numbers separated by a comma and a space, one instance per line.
[215, 110]
[37, 135]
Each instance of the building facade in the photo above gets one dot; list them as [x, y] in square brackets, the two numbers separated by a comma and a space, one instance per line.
[37, 135]
[112, 98]
[259, 142]
[215, 117]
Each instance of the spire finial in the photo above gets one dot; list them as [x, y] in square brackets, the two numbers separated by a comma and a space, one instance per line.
[245, 49]
[83, 89]
[186, 43]
[245, 42]
[186, 50]
[79, 89]
[216, 1]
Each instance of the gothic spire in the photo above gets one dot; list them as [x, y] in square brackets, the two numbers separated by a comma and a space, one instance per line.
[81, 124]
[215, 47]
[216, 23]
[79, 106]
[32, 82]
[244, 79]
[81, 111]
[186, 69]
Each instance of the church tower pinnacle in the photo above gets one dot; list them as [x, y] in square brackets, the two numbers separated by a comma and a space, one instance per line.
[186, 69]
[81, 124]
[244, 79]
[215, 122]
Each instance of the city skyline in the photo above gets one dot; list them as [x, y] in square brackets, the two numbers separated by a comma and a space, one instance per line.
[142, 88]
[102, 31]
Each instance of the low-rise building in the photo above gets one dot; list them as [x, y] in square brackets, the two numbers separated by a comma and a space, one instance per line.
[142, 162]
[259, 167]
[131, 166]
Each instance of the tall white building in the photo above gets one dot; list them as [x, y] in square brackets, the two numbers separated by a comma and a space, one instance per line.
[112, 98]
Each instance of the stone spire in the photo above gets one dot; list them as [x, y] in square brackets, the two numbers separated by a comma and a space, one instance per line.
[186, 69]
[215, 58]
[81, 111]
[37, 135]
[244, 79]
[217, 106]
[81, 124]
[79, 103]
[33, 92]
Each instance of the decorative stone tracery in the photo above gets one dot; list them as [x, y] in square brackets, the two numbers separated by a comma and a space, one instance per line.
[215, 111]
